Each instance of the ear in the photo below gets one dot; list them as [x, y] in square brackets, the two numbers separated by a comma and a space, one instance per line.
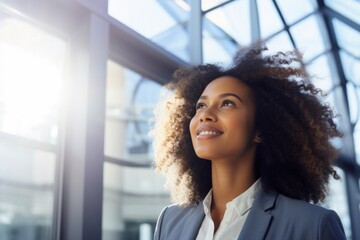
[257, 138]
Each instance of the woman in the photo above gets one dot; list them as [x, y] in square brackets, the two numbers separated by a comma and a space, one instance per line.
[246, 151]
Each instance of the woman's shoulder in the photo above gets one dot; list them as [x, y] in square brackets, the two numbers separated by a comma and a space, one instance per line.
[300, 206]
[304, 220]
[176, 212]
[174, 218]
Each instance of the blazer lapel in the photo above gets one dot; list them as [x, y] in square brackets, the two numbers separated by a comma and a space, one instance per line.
[258, 220]
[193, 223]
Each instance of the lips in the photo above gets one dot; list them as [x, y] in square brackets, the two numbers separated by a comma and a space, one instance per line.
[205, 132]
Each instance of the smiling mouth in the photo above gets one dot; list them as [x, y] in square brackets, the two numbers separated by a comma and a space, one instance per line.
[202, 135]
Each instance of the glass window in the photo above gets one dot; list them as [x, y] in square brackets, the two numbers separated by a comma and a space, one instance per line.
[337, 200]
[323, 73]
[294, 10]
[280, 42]
[163, 22]
[269, 18]
[133, 199]
[130, 99]
[357, 141]
[130, 183]
[26, 192]
[217, 46]
[207, 4]
[351, 66]
[234, 20]
[350, 8]
[353, 93]
[347, 37]
[309, 38]
[31, 80]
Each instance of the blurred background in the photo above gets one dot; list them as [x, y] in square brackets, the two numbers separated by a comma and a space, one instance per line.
[79, 80]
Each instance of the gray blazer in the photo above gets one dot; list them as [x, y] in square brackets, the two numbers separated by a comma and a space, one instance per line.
[272, 216]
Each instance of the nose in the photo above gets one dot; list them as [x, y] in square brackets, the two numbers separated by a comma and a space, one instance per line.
[208, 115]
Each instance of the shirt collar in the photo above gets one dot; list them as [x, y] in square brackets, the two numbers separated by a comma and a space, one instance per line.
[241, 203]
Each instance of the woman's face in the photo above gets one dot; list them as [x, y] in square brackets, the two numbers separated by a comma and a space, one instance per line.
[223, 125]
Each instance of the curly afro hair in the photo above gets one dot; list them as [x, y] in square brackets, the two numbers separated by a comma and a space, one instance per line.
[295, 156]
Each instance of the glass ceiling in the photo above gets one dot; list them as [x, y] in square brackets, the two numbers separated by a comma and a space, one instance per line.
[283, 24]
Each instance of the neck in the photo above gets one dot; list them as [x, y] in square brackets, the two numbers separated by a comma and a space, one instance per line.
[229, 181]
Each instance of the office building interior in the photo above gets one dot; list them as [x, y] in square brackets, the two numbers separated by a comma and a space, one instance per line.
[79, 80]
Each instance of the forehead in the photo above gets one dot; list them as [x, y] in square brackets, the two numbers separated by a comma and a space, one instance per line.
[227, 84]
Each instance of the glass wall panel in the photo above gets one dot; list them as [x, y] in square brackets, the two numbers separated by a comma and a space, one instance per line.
[323, 72]
[234, 20]
[351, 66]
[350, 8]
[337, 200]
[31, 80]
[163, 22]
[26, 192]
[347, 37]
[32, 64]
[309, 37]
[207, 4]
[270, 21]
[280, 42]
[130, 99]
[293, 10]
[133, 193]
[357, 141]
[133, 199]
[217, 46]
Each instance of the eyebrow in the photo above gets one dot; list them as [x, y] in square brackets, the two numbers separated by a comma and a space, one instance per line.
[223, 95]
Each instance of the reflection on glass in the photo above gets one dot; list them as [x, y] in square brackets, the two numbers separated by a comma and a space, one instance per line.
[270, 21]
[31, 71]
[133, 194]
[294, 10]
[309, 38]
[234, 19]
[130, 99]
[133, 199]
[164, 22]
[26, 193]
[337, 200]
[347, 37]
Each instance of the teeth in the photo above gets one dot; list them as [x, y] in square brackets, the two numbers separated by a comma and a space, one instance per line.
[208, 133]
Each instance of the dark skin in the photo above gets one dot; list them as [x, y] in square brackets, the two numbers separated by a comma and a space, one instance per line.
[223, 131]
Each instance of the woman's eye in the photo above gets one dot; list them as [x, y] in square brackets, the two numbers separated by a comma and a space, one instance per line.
[200, 106]
[228, 103]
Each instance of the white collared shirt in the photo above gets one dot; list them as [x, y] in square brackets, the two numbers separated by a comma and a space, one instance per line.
[234, 217]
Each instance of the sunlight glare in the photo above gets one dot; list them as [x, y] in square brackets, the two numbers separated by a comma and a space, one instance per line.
[31, 63]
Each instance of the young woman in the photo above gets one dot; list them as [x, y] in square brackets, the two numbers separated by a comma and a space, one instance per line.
[246, 151]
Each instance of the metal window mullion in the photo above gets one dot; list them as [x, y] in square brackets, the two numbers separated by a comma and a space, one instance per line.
[84, 142]
[195, 32]
[254, 21]
[286, 26]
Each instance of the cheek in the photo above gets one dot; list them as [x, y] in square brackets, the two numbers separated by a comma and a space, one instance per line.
[192, 127]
